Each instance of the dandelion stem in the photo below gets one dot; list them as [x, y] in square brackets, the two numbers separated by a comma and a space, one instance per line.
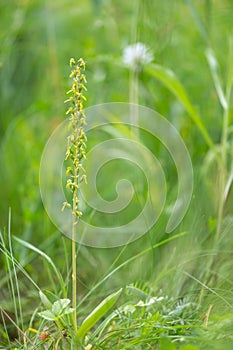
[134, 99]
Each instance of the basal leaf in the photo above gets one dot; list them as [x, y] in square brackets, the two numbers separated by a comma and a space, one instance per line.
[97, 313]
[59, 306]
[47, 314]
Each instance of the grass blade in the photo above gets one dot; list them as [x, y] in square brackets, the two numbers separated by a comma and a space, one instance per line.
[213, 64]
[6, 253]
[135, 257]
[169, 79]
[47, 258]
[16, 295]
[198, 20]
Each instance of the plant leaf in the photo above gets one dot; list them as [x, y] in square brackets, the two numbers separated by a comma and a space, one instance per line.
[59, 306]
[213, 64]
[198, 20]
[166, 344]
[47, 314]
[189, 347]
[169, 79]
[97, 313]
[68, 311]
[46, 257]
[45, 300]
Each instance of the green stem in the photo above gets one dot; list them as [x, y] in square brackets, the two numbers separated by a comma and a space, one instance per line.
[223, 162]
[133, 98]
[75, 152]
[225, 131]
[133, 88]
[222, 174]
[74, 255]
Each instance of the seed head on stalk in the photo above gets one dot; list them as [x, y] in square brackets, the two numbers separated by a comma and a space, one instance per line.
[75, 153]
[76, 141]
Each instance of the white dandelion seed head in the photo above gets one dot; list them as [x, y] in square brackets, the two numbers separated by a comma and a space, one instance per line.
[136, 55]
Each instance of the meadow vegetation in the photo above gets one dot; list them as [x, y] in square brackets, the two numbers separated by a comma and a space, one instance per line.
[163, 291]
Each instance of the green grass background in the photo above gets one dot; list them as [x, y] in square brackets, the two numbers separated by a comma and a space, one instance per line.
[37, 40]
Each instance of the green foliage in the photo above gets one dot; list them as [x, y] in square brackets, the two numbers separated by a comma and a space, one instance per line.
[188, 347]
[168, 78]
[166, 344]
[58, 309]
[190, 83]
[145, 323]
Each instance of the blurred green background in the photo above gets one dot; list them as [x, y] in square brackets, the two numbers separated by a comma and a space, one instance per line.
[37, 40]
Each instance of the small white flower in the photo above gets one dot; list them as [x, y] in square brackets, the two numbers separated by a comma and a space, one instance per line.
[136, 55]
